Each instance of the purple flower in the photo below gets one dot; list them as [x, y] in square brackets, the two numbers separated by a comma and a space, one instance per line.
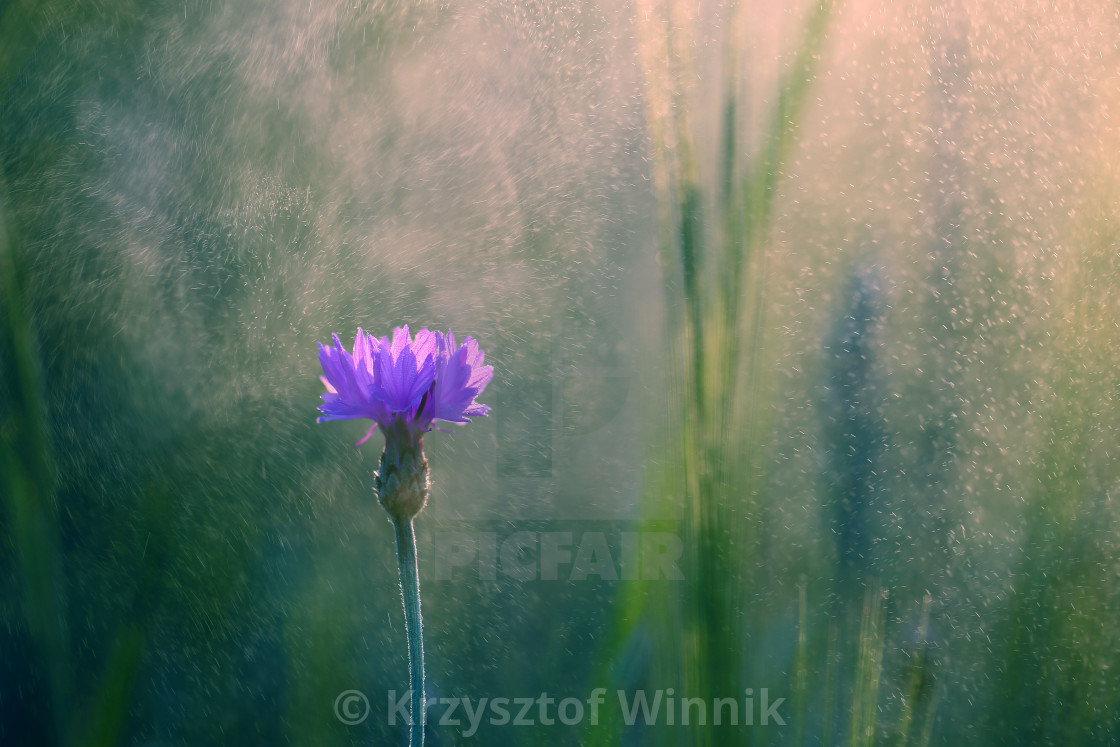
[405, 384]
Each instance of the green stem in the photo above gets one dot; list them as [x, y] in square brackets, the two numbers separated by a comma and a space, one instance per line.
[410, 594]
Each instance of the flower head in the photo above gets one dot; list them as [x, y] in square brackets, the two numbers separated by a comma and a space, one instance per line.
[403, 384]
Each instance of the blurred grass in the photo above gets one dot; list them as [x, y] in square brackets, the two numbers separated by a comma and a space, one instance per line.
[32, 522]
[718, 238]
[718, 301]
[869, 669]
[29, 487]
[1056, 655]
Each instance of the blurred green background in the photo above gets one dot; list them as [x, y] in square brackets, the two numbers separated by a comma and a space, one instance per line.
[819, 296]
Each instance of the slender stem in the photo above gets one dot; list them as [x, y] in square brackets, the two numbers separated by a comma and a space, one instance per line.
[410, 595]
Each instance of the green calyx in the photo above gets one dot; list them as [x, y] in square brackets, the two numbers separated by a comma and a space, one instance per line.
[401, 484]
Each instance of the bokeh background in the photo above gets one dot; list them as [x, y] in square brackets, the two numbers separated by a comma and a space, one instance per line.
[819, 296]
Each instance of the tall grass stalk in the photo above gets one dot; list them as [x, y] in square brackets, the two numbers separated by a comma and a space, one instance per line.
[713, 241]
[869, 668]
